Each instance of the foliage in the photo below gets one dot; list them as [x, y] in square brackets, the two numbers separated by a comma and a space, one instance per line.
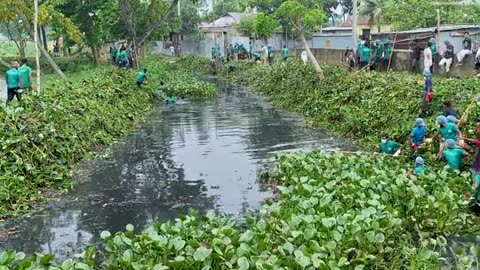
[374, 10]
[410, 14]
[305, 17]
[44, 136]
[333, 212]
[246, 26]
[177, 81]
[221, 7]
[264, 25]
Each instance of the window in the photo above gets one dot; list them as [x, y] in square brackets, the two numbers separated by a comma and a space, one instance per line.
[366, 33]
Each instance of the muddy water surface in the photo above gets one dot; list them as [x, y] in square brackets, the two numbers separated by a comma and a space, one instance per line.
[202, 155]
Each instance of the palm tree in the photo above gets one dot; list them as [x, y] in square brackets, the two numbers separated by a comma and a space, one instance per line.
[373, 9]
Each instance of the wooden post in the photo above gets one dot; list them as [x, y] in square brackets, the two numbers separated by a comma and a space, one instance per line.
[354, 25]
[438, 28]
[35, 40]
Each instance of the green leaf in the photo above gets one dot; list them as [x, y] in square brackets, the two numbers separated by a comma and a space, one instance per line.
[160, 267]
[130, 227]
[105, 234]
[127, 255]
[201, 254]
[67, 264]
[380, 238]
[3, 257]
[243, 263]
[81, 266]
[288, 247]
[328, 222]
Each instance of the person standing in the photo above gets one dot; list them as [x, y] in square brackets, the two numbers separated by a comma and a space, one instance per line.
[359, 52]
[435, 54]
[122, 58]
[270, 54]
[350, 57]
[365, 56]
[387, 55]
[304, 57]
[447, 58]
[466, 48]
[114, 54]
[427, 60]
[25, 75]
[285, 53]
[427, 92]
[416, 52]
[379, 52]
[12, 77]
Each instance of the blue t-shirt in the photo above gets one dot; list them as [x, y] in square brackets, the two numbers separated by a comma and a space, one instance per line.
[417, 135]
[427, 87]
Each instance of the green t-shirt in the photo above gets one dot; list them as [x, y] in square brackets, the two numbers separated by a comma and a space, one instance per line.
[12, 77]
[141, 76]
[285, 52]
[388, 148]
[25, 72]
[365, 54]
[123, 56]
[419, 170]
[388, 51]
[477, 196]
[379, 50]
[453, 157]
[114, 52]
[359, 50]
[449, 131]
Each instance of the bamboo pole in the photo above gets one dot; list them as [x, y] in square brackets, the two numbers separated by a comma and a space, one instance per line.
[467, 111]
[391, 53]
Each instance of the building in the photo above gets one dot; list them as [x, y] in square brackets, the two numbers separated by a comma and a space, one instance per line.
[453, 33]
[335, 37]
[364, 27]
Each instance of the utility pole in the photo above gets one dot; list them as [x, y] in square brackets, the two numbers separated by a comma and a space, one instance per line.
[439, 4]
[35, 40]
[354, 24]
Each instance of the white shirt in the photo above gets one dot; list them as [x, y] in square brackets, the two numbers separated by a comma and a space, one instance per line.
[427, 53]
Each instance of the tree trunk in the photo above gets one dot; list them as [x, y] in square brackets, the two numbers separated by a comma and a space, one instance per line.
[4, 63]
[156, 24]
[94, 54]
[379, 28]
[37, 56]
[22, 44]
[312, 58]
[44, 38]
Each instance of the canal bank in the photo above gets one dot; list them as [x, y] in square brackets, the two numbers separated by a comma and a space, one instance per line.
[204, 155]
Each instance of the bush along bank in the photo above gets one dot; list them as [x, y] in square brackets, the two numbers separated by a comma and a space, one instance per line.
[176, 81]
[44, 136]
[333, 212]
[358, 105]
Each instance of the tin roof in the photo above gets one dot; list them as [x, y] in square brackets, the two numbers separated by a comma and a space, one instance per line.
[443, 28]
[337, 28]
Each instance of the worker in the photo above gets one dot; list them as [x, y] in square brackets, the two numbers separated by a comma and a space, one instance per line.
[427, 92]
[257, 57]
[419, 166]
[386, 57]
[365, 56]
[446, 131]
[359, 52]
[453, 155]
[476, 161]
[142, 77]
[379, 53]
[387, 146]
[350, 57]
[171, 99]
[13, 81]
[418, 133]
[476, 185]
[448, 109]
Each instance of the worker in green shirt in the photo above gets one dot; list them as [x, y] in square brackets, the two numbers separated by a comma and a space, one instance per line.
[446, 131]
[379, 53]
[476, 185]
[359, 52]
[285, 53]
[419, 166]
[122, 57]
[12, 77]
[141, 77]
[386, 56]
[453, 155]
[365, 57]
[114, 54]
[387, 146]
[25, 75]
[171, 99]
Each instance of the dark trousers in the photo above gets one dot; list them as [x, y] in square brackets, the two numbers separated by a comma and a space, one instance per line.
[11, 93]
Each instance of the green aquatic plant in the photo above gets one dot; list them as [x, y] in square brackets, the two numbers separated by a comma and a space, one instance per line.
[334, 211]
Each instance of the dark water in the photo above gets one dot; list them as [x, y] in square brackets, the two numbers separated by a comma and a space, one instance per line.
[202, 155]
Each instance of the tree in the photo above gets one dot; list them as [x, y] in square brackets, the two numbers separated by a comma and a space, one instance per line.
[221, 7]
[374, 10]
[347, 7]
[264, 26]
[305, 17]
[246, 26]
[410, 14]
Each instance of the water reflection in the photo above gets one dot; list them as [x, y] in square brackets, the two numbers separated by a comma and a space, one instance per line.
[201, 155]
